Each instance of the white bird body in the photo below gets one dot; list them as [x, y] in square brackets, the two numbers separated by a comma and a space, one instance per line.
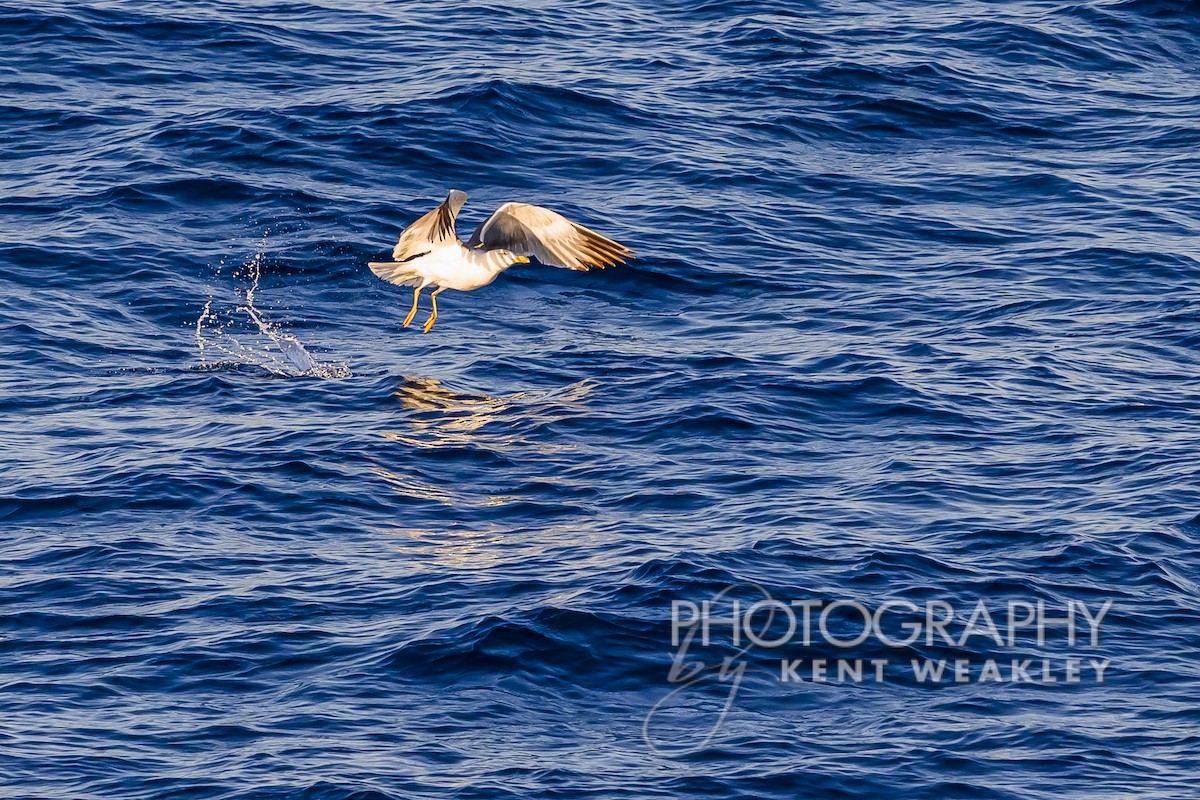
[430, 253]
[453, 266]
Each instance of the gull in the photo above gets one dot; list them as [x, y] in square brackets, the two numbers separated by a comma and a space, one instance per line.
[430, 253]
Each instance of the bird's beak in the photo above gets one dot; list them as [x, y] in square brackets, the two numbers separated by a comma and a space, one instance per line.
[522, 259]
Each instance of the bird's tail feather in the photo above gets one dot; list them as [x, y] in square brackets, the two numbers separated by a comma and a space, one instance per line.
[397, 272]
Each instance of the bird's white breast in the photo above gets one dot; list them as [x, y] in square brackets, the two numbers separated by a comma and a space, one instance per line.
[456, 267]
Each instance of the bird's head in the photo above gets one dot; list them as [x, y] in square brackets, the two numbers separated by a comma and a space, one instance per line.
[509, 256]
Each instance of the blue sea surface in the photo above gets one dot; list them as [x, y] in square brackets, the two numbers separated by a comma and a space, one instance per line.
[915, 316]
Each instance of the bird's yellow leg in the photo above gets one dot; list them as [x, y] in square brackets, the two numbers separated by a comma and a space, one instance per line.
[413, 312]
[432, 317]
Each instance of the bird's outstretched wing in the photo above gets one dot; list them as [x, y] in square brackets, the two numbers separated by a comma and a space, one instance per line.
[547, 236]
[432, 229]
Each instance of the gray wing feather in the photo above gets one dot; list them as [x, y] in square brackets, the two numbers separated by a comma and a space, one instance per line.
[547, 236]
[433, 228]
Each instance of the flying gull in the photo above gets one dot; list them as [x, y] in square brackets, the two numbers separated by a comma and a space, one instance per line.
[430, 253]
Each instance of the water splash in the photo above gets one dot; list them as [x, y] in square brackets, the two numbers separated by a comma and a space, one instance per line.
[262, 344]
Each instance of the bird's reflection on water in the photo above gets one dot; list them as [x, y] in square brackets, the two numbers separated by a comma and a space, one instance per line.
[438, 417]
[472, 526]
[447, 418]
[452, 412]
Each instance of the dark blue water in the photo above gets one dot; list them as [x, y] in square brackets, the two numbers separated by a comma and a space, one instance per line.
[915, 316]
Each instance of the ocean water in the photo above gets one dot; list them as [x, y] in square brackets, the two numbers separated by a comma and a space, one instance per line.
[915, 316]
